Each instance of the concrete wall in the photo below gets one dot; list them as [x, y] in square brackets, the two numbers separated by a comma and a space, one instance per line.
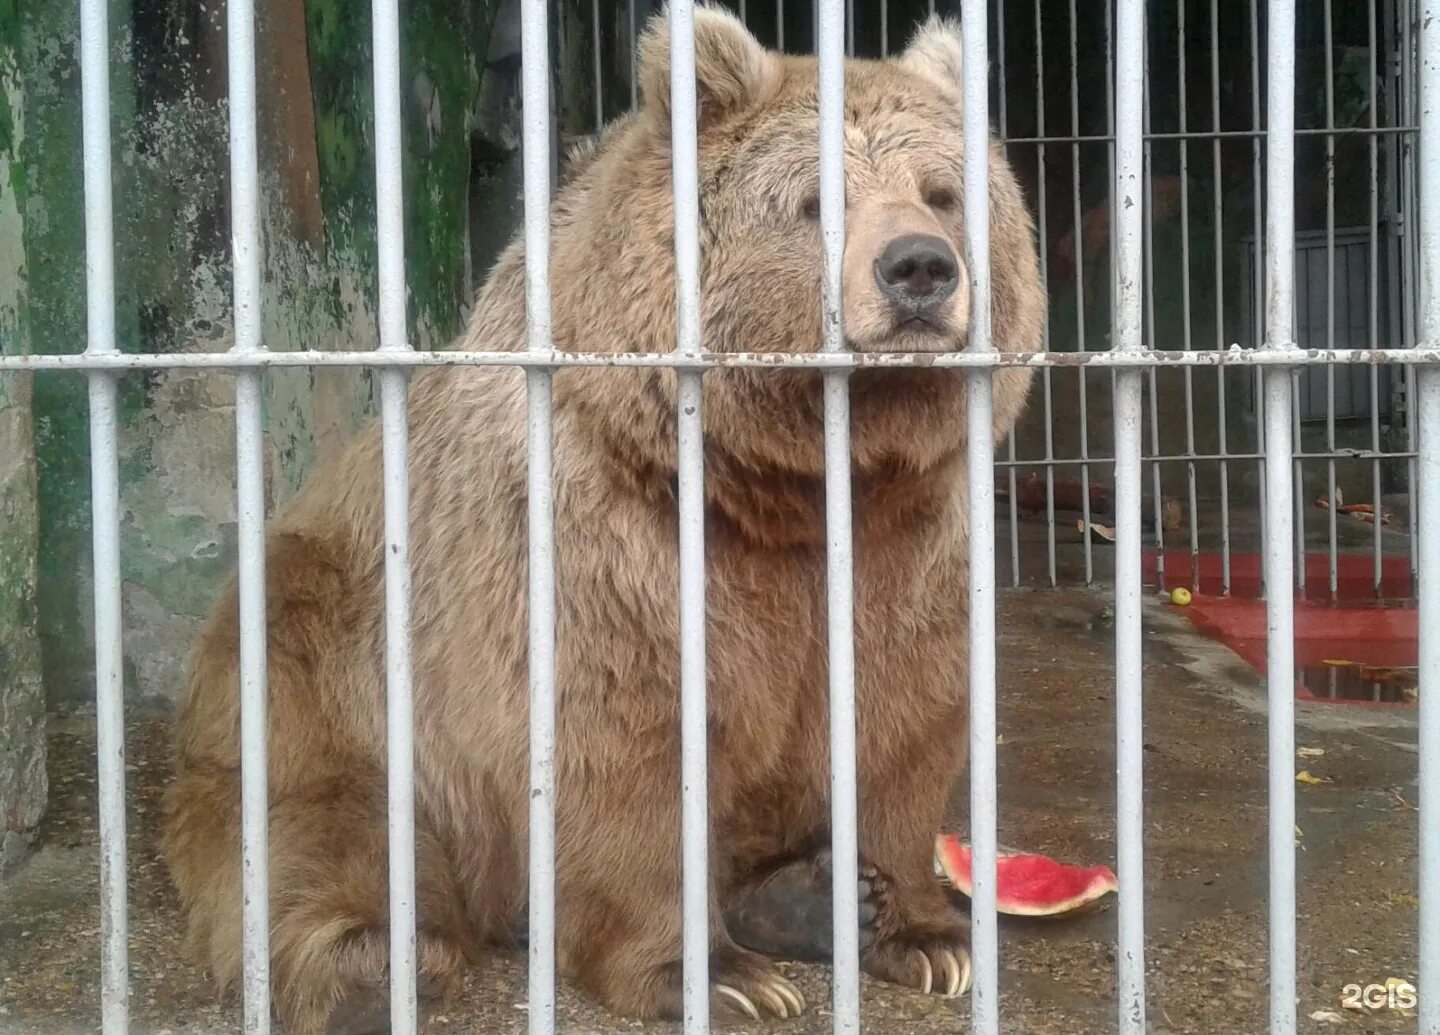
[173, 280]
[22, 698]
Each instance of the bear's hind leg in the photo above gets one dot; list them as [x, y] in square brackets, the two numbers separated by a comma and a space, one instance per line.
[330, 924]
[329, 894]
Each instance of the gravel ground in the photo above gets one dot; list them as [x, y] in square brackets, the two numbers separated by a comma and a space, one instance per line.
[1205, 861]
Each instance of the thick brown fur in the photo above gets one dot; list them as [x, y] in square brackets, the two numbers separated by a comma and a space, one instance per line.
[617, 661]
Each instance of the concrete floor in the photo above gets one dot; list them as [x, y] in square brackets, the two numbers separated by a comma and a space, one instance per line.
[1205, 795]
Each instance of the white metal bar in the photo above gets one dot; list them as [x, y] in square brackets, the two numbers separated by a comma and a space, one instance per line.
[694, 781]
[394, 432]
[1216, 174]
[1010, 454]
[1079, 260]
[546, 359]
[105, 516]
[1427, 488]
[1406, 74]
[1257, 279]
[1190, 471]
[536, 140]
[980, 445]
[634, 69]
[1047, 382]
[250, 515]
[1278, 531]
[1149, 329]
[1130, 204]
[1332, 511]
[1373, 275]
[839, 537]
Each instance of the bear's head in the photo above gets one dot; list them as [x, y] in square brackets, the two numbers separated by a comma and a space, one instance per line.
[905, 286]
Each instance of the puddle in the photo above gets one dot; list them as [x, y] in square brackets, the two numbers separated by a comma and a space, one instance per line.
[1360, 653]
[1350, 681]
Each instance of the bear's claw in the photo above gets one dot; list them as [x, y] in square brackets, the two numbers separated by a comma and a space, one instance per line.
[956, 968]
[771, 995]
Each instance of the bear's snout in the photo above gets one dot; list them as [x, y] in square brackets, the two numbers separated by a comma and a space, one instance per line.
[916, 275]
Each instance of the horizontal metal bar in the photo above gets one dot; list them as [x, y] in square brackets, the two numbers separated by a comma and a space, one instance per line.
[548, 359]
[1219, 134]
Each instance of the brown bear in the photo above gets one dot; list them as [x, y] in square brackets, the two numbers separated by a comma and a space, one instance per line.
[617, 769]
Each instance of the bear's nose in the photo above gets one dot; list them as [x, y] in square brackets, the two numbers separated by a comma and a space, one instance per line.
[916, 273]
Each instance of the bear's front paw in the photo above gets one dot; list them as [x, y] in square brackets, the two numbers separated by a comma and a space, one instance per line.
[933, 959]
[750, 986]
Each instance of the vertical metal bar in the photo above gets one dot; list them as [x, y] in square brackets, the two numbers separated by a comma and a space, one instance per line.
[599, 84]
[780, 25]
[1190, 471]
[1427, 488]
[980, 443]
[634, 33]
[1010, 471]
[1079, 228]
[1149, 324]
[1297, 481]
[694, 780]
[1279, 556]
[1217, 177]
[1407, 75]
[1332, 530]
[250, 514]
[535, 119]
[1129, 398]
[1257, 273]
[1374, 301]
[839, 539]
[1044, 237]
[105, 517]
[394, 435]
[884, 28]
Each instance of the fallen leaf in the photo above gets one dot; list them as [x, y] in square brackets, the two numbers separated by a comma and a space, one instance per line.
[1310, 752]
[1101, 533]
[1327, 1017]
[1306, 776]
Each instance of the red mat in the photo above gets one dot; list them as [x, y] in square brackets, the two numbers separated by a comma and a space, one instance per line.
[1345, 653]
[1355, 574]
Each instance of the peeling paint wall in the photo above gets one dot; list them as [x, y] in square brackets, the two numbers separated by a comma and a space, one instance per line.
[22, 697]
[174, 293]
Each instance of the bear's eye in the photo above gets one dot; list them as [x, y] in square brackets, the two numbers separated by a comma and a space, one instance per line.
[940, 198]
[812, 207]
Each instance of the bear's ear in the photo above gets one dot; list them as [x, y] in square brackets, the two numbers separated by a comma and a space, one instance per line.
[733, 72]
[936, 52]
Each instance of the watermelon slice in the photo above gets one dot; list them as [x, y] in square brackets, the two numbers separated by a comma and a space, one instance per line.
[1027, 885]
